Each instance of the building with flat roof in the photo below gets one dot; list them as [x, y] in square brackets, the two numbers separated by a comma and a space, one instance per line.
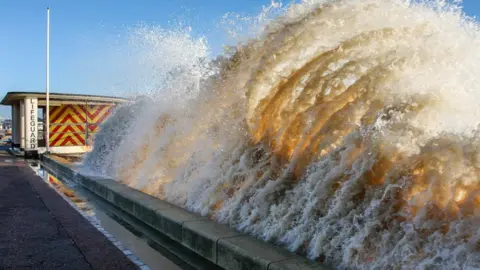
[7, 124]
[74, 120]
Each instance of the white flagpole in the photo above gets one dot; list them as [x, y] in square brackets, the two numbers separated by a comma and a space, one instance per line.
[47, 128]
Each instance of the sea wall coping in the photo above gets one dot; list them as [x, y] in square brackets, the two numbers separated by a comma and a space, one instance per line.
[217, 243]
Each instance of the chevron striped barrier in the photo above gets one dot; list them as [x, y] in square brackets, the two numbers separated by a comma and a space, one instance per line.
[76, 125]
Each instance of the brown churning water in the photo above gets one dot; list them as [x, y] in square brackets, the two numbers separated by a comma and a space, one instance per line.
[346, 131]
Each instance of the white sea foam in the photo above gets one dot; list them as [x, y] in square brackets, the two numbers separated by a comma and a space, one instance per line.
[346, 131]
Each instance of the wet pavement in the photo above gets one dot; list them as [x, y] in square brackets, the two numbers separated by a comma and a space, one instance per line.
[132, 242]
[40, 230]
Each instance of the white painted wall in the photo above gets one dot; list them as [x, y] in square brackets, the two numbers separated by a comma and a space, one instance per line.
[64, 149]
[22, 124]
[14, 123]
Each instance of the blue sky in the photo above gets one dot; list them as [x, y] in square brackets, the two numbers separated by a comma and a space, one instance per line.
[83, 31]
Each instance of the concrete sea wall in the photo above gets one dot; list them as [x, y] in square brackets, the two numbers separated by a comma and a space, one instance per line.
[217, 243]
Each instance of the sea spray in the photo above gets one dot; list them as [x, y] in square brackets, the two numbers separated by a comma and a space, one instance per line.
[346, 131]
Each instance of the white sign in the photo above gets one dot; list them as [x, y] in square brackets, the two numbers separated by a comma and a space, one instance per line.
[31, 127]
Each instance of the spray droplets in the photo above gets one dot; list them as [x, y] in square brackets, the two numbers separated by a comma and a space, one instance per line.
[345, 131]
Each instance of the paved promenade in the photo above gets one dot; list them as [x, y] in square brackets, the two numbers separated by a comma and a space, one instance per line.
[40, 230]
